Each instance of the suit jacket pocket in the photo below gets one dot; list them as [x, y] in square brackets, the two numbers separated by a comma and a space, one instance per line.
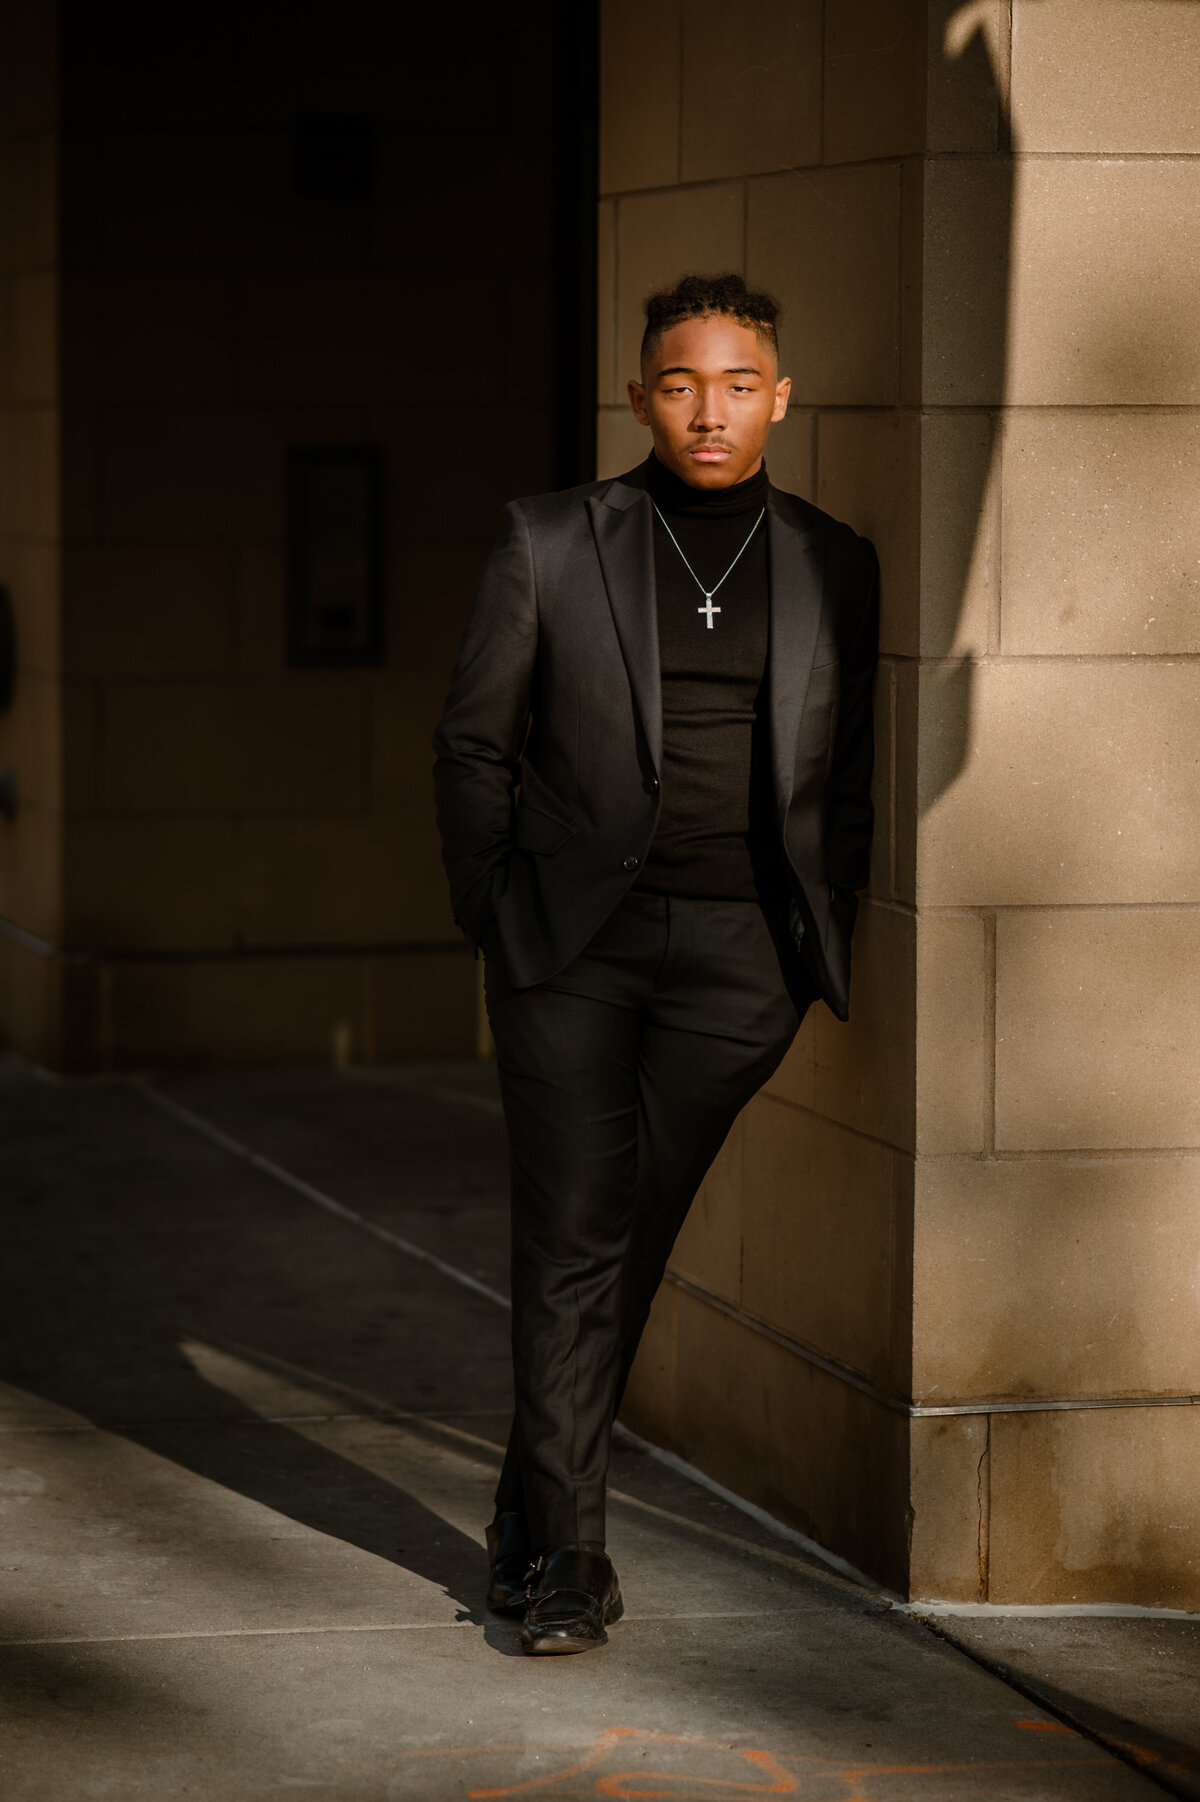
[540, 832]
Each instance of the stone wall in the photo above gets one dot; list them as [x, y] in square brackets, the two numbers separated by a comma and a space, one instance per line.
[33, 987]
[949, 1237]
[250, 865]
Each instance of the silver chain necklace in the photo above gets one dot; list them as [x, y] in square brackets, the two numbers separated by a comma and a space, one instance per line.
[708, 609]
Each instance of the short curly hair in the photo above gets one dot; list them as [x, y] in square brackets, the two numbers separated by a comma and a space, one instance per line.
[708, 297]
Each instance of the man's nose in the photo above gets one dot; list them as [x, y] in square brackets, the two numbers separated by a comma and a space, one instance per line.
[707, 417]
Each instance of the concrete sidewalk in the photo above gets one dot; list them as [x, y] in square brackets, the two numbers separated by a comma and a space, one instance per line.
[247, 1445]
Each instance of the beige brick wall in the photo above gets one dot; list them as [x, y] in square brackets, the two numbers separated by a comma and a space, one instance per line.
[981, 1195]
[214, 809]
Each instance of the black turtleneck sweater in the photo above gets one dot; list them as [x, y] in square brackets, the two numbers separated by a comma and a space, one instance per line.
[717, 837]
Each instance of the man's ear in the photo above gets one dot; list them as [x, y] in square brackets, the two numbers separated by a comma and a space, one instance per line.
[783, 389]
[637, 400]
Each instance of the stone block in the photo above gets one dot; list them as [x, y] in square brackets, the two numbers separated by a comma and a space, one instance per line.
[1101, 536]
[968, 261]
[742, 1411]
[7, 335]
[77, 763]
[33, 340]
[29, 473]
[960, 535]
[903, 1228]
[906, 687]
[1101, 260]
[208, 200]
[1095, 1029]
[1105, 265]
[259, 615]
[422, 1004]
[691, 231]
[151, 884]
[213, 747]
[621, 442]
[863, 1071]
[744, 113]
[131, 338]
[156, 611]
[32, 740]
[31, 1001]
[29, 63]
[358, 879]
[948, 1496]
[860, 1490]
[29, 166]
[1140, 93]
[953, 1033]
[31, 884]
[869, 474]
[514, 456]
[205, 476]
[348, 338]
[882, 883]
[639, 95]
[30, 570]
[1096, 1505]
[610, 392]
[1056, 1278]
[874, 79]
[242, 1010]
[527, 327]
[912, 279]
[827, 246]
[1059, 782]
[791, 451]
[401, 733]
[793, 1081]
[709, 1249]
[816, 1216]
[79, 454]
[301, 744]
[966, 75]
[462, 221]
[649, 1404]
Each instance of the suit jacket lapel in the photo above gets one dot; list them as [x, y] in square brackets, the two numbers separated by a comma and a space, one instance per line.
[796, 582]
[623, 528]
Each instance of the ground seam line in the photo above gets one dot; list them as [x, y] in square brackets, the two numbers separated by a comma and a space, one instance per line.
[269, 1168]
[122, 1639]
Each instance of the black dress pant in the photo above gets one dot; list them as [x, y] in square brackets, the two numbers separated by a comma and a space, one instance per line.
[620, 1078]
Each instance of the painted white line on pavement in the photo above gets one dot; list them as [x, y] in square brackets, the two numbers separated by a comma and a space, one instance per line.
[269, 1167]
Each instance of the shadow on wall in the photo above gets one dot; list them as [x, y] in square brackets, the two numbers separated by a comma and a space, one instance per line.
[980, 314]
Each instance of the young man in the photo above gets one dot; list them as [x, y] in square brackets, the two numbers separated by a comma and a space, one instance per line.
[652, 779]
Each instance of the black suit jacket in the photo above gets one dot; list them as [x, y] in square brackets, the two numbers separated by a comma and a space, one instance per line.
[548, 752]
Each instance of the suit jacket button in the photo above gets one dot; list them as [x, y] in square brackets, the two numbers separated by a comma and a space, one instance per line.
[654, 785]
[633, 863]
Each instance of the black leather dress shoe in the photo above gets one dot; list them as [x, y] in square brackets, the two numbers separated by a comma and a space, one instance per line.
[510, 1557]
[574, 1595]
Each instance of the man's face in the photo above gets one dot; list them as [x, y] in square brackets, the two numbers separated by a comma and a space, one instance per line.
[710, 392]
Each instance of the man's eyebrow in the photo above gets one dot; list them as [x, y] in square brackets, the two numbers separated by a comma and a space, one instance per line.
[682, 369]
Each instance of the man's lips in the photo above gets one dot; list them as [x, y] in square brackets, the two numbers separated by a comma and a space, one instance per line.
[710, 453]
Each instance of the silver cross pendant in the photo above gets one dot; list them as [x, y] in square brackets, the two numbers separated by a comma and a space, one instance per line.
[709, 610]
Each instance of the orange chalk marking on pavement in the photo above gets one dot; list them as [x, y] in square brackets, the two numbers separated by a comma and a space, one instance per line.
[646, 1785]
